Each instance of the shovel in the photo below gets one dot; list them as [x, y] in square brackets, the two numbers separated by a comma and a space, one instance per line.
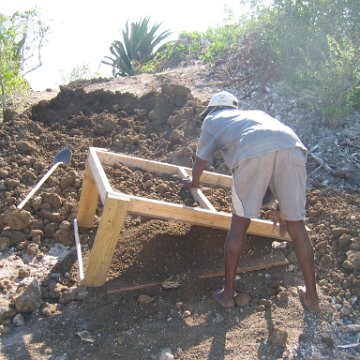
[62, 157]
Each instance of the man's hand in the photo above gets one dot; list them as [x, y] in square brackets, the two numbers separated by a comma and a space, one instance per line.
[194, 180]
[187, 183]
[277, 219]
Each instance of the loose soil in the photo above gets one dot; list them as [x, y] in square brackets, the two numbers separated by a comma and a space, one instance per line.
[155, 117]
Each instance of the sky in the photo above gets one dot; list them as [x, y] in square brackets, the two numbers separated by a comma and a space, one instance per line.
[81, 31]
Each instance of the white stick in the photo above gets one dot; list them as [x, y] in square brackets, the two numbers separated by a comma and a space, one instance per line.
[37, 186]
[78, 250]
[348, 346]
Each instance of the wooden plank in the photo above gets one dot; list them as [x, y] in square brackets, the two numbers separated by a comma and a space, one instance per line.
[246, 264]
[100, 178]
[197, 194]
[133, 288]
[253, 263]
[197, 216]
[207, 177]
[114, 213]
[88, 200]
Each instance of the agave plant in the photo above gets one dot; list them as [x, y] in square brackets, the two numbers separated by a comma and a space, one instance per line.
[139, 46]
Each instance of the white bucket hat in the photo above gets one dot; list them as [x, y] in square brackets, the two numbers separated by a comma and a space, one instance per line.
[222, 98]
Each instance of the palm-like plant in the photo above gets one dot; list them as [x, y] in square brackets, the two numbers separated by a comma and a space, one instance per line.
[138, 47]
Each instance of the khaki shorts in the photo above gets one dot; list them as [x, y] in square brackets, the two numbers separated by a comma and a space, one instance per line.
[283, 171]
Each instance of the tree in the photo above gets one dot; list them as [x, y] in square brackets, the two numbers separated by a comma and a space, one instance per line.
[21, 39]
[139, 46]
[315, 46]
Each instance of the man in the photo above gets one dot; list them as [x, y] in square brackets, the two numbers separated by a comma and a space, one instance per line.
[261, 153]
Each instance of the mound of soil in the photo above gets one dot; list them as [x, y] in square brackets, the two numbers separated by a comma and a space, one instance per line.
[155, 117]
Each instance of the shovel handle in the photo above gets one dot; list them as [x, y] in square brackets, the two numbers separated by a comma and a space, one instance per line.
[37, 186]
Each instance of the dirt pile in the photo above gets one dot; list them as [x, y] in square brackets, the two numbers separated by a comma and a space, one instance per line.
[156, 118]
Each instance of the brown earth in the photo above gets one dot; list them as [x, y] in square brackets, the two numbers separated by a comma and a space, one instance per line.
[155, 117]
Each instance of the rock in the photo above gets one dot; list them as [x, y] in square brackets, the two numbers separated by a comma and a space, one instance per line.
[54, 200]
[279, 245]
[344, 240]
[141, 113]
[218, 319]
[65, 225]
[338, 231]
[24, 272]
[50, 229]
[73, 294]
[28, 296]
[12, 183]
[9, 114]
[355, 244]
[328, 340]
[7, 310]
[103, 123]
[26, 147]
[175, 136]
[4, 173]
[321, 246]
[292, 257]
[36, 232]
[352, 263]
[86, 336]
[5, 328]
[282, 296]
[266, 302]
[293, 291]
[51, 215]
[145, 299]
[346, 309]
[18, 320]
[69, 179]
[5, 242]
[54, 290]
[15, 237]
[172, 120]
[181, 157]
[30, 177]
[166, 354]
[303, 337]
[49, 309]
[65, 237]
[36, 202]
[278, 337]
[242, 299]
[17, 219]
[355, 291]
[32, 249]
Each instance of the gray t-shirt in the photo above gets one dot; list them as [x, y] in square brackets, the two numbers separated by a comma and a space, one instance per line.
[241, 135]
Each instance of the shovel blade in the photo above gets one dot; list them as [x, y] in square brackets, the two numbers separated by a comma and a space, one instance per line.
[63, 156]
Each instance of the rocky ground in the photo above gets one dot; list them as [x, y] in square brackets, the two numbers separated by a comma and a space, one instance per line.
[46, 314]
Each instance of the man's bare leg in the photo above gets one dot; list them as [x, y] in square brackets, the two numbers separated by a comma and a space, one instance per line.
[305, 256]
[233, 249]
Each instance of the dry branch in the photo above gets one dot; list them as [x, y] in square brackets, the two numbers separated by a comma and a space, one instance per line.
[321, 163]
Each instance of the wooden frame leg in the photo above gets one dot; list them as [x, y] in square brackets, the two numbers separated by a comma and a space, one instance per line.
[111, 222]
[88, 200]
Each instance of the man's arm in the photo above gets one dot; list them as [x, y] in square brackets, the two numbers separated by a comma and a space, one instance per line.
[197, 170]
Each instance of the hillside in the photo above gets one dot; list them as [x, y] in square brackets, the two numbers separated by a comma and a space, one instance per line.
[155, 117]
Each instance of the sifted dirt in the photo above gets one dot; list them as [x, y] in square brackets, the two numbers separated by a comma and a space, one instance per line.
[154, 117]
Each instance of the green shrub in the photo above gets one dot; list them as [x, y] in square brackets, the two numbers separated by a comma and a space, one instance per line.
[220, 39]
[314, 46]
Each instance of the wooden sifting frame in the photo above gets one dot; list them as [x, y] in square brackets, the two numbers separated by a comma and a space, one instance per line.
[116, 206]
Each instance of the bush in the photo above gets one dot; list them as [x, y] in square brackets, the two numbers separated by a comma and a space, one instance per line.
[315, 46]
